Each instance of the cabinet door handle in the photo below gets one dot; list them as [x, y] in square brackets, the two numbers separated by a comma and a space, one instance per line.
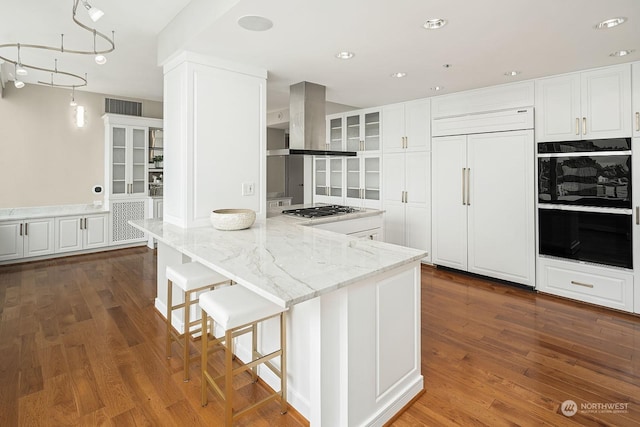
[577, 126]
[80, 224]
[406, 197]
[406, 142]
[21, 229]
[464, 190]
[468, 186]
[584, 125]
[637, 215]
[85, 223]
[26, 229]
[586, 285]
[638, 121]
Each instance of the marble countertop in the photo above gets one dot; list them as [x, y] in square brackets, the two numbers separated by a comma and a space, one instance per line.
[281, 258]
[7, 214]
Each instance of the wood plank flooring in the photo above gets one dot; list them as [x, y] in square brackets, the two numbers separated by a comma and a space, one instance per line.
[81, 345]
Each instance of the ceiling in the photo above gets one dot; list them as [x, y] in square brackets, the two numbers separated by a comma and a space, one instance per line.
[482, 40]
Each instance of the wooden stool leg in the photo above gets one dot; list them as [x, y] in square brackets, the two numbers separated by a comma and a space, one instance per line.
[283, 364]
[187, 334]
[169, 314]
[228, 379]
[204, 360]
[254, 351]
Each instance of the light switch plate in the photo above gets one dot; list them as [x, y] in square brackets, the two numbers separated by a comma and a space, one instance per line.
[248, 189]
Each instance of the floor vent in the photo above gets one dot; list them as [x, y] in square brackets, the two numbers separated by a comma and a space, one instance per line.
[119, 106]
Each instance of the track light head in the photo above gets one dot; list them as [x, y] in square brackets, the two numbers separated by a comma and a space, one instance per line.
[101, 59]
[19, 84]
[94, 12]
[21, 71]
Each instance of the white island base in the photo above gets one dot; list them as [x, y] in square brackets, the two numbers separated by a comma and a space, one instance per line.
[353, 353]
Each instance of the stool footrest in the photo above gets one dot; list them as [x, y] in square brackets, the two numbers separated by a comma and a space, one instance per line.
[256, 405]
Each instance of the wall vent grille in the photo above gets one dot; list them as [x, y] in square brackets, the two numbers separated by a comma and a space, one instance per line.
[119, 106]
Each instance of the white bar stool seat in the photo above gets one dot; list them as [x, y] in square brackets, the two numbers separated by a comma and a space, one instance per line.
[238, 311]
[191, 277]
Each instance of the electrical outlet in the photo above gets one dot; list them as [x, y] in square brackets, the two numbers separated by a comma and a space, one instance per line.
[248, 189]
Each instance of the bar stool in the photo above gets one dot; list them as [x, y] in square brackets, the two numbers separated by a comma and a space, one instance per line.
[190, 277]
[238, 311]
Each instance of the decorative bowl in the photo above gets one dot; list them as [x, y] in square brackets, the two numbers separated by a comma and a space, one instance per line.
[232, 219]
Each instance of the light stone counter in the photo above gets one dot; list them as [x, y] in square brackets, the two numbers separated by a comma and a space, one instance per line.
[353, 324]
[282, 259]
[7, 214]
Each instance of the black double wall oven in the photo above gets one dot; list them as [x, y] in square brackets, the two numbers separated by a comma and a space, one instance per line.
[584, 201]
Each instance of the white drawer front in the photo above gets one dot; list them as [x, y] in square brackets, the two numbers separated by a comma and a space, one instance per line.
[597, 285]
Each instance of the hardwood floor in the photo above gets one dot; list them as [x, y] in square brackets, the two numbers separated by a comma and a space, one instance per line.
[81, 344]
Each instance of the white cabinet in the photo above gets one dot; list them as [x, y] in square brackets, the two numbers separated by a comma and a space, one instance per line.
[483, 204]
[407, 199]
[158, 205]
[26, 238]
[327, 186]
[362, 175]
[635, 85]
[354, 131]
[406, 126]
[362, 132]
[590, 105]
[121, 211]
[335, 132]
[406, 174]
[75, 233]
[127, 154]
[609, 287]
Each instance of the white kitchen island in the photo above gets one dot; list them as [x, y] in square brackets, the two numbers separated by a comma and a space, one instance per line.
[354, 310]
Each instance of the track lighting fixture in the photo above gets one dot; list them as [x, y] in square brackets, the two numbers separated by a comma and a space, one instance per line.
[99, 55]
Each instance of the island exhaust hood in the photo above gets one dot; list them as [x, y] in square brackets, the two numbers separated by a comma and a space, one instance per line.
[307, 127]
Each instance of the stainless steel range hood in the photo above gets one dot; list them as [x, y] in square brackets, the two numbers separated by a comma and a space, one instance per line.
[307, 127]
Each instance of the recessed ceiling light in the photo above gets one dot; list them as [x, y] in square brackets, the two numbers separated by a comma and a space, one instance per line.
[621, 52]
[512, 73]
[398, 75]
[255, 23]
[345, 55]
[610, 23]
[437, 88]
[434, 24]
[19, 84]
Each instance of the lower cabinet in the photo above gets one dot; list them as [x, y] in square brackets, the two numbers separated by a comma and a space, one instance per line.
[609, 287]
[26, 238]
[75, 233]
[122, 211]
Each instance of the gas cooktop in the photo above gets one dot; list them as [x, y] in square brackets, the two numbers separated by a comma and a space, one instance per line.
[320, 211]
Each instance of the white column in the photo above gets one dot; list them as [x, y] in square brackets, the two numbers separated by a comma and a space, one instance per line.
[214, 136]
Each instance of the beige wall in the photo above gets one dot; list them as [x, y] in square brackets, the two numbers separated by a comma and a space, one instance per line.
[44, 158]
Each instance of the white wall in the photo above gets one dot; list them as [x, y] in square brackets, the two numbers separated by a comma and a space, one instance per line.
[44, 158]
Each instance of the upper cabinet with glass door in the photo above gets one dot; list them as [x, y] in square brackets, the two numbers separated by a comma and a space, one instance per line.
[354, 131]
[126, 154]
[363, 131]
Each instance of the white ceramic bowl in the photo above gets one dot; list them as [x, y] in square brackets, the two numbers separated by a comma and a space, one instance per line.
[232, 219]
